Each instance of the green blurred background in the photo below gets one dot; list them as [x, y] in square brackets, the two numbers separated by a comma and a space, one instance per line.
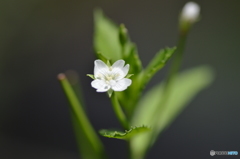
[42, 38]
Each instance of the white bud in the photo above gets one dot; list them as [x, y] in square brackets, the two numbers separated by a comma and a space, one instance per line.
[190, 12]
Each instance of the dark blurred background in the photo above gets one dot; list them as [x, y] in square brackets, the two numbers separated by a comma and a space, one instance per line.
[42, 38]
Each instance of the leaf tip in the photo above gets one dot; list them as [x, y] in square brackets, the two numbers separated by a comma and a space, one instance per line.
[61, 76]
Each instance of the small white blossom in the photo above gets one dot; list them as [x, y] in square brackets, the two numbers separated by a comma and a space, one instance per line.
[110, 77]
[190, 12]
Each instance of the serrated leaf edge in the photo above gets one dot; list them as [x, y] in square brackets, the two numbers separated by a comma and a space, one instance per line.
[122, 134]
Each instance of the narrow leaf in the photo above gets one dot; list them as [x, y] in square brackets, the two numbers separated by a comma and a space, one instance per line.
[133, 91]
[141, 78]
[157, 63]
[123, 36]
[84, 145]
[132, 58]
[106, 38]
[149, 112]
[80, 121]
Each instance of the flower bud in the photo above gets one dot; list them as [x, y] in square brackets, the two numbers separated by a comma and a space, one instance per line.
[190, 12]
[189, 15]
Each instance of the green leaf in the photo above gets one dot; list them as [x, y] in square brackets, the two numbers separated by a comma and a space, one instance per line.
[102, 57]
[133, 91]
[183, 89]
[123, 36]
[88, 138]
[113, 43]
[85, 147]
[124, 135]
[157, 63]
[132, 58]
[106, 38]
[141, 78]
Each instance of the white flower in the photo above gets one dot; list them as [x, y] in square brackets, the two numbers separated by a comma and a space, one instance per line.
[110, 77]
[190, 12]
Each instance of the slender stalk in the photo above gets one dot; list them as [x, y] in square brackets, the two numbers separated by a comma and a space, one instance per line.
[176, 63]
[119, 112]
[81, 118]
[179, 54]
[130, 149]
[177, 59]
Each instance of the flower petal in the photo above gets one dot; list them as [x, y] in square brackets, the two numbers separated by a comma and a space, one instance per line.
[118, 64]
[104, 90]
[100, 69]
[122, 84]
[100, 85]
[118, 69]
[126, 69]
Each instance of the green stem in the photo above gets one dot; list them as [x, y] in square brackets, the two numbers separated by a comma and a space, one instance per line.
[119, 112]
[177, 60]
[129, 150]
[81, 118]
[179, 56]
[122, 119]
